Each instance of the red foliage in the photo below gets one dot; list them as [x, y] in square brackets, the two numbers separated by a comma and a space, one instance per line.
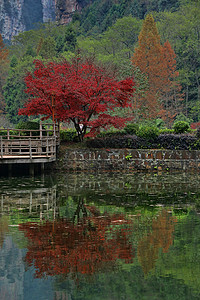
[195, 125]
[61, 247]
[81, 91]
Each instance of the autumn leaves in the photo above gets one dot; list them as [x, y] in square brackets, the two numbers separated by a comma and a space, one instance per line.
[162, 97]
[85, 93]
[96, 242]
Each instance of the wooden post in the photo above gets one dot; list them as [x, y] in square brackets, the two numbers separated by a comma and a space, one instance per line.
[40, 129]
[42, 168]
[20, 147]
[30, 150]
[9, 170]
[31, 201]
[31, 169]
[1, 147]
[1, 203]
[47, 146]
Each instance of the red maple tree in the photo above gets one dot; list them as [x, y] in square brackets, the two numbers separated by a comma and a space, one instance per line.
[83, 93]
[64, 247]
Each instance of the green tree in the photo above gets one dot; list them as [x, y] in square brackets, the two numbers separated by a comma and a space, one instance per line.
[66, 41]
[182, 29]
[48, 48]
[3, 70]
[14, 87]
[116, 45]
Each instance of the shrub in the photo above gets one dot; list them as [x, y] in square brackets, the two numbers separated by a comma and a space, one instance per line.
[198, 133]
[110, 133]
[178, 142]
[163, 141]
[182, 117]
[148, 132]
[195, 125]
[131, 128]
[166, 130]
[181, 126]
[3, 132]
[120, 142]
[160, 123]
[29, 125]
[68, 135]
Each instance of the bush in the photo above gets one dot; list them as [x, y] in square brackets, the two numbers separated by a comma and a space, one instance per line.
[148, 132]
[29, 125]
[195, 125]
[160, 123]
[163, 141]
[131, 128]
[114, 142]
[69, 135]
[182, 117]
[178, 142]
[198, 133]
[181, 126]
[166, 131]
[110, 133]
[3, 132]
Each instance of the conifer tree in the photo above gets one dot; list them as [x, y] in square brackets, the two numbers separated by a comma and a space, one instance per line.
[158, 63]
[3, 50]
[171, 97]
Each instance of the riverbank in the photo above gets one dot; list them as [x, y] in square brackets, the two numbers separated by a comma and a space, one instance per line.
[84, 159]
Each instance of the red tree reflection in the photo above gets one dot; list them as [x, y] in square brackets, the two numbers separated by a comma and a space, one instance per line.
[62, 247]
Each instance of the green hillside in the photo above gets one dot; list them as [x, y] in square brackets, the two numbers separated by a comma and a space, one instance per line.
[107, 32]
[101, 14]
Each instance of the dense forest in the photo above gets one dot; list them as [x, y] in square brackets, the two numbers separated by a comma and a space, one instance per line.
[115, 35]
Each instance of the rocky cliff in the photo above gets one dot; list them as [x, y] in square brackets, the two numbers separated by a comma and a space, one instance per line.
[21, 15]
[65, 9]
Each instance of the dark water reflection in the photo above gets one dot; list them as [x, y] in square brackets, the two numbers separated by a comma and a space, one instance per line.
[103, 236]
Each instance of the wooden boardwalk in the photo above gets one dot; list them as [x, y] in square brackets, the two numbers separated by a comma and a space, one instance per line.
[19, 146]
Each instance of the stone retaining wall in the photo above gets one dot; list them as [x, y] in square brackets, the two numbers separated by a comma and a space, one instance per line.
[130, 159]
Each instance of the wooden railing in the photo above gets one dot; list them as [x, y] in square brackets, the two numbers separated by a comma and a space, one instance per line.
[31, 143]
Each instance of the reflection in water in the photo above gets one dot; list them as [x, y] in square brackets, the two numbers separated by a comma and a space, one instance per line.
[159, 238]
[11, 270]
[92, 244]
[3, 228]
[105, 236]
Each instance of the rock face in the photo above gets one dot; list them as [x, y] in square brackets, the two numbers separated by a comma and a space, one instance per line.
[66, 8]
[11, 18]
[21, 15]
[48, 10]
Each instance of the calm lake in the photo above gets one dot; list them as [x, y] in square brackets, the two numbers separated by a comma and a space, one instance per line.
[105, 236]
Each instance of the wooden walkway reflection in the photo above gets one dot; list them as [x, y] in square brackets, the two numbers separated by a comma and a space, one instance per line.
[39, 202]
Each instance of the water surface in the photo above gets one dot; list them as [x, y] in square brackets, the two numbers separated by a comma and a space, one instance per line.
[100, 236]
